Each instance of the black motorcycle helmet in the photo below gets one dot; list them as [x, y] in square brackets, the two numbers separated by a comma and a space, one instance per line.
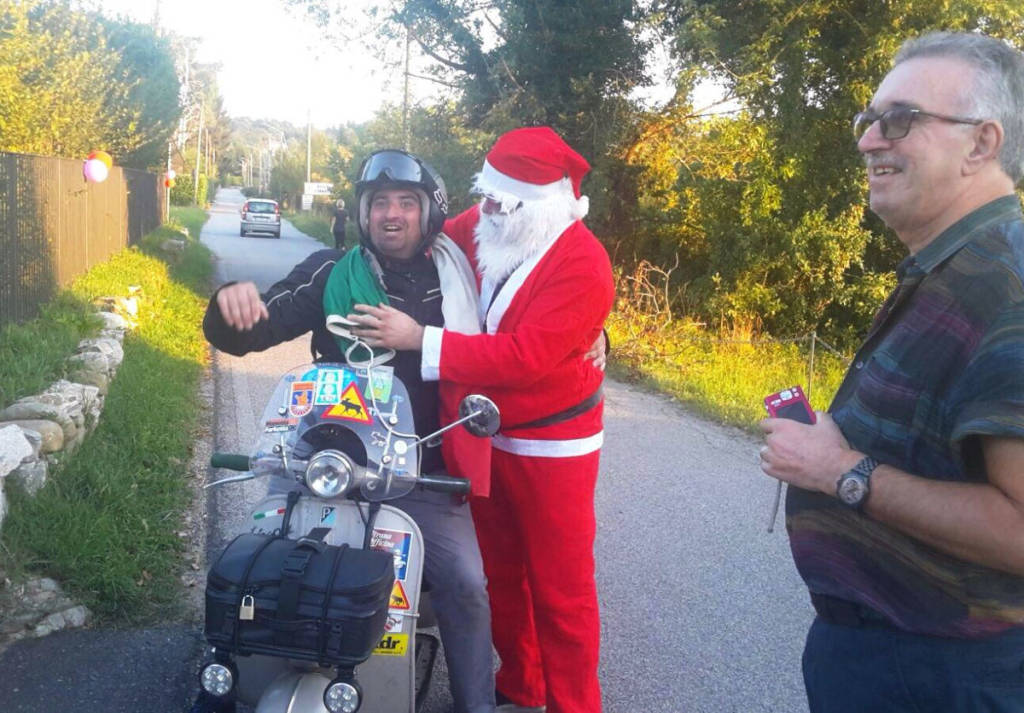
[392, 167]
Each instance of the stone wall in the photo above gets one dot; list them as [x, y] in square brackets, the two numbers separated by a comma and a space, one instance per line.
[38, 432]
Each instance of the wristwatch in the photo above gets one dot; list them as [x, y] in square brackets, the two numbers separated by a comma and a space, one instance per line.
[854, 485]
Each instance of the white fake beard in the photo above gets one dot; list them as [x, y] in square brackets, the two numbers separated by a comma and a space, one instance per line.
[507, 240]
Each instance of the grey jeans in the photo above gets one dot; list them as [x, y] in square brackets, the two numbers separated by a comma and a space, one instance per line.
[458, 592]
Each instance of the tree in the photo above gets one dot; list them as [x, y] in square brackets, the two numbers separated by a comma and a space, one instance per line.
[569, 64]
[72, 81]
[773, 198]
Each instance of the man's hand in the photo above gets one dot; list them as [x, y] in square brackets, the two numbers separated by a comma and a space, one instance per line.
[598, 352]
[810, 457]
[385, 326]
[241, 306]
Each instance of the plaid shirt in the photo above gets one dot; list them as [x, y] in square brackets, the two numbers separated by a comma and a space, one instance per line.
[942, 365]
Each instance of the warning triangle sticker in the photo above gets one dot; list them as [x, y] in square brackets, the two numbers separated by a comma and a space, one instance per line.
[351, 407]
[398, 598]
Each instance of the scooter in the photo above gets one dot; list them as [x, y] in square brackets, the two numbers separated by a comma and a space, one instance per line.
[301, 614]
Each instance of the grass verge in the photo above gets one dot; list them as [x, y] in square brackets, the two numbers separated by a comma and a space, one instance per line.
[108, 524]
[722, 376]
[319, 227]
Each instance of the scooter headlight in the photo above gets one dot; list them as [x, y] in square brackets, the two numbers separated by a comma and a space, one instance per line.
[329, 473]
[217, 679]
[342, 696]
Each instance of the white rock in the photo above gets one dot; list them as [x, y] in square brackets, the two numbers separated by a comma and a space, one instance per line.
[76, 617]
[34, 438]
[112, 320]
[14, 448]
[110, 348]
[31, 475]
[50, 433]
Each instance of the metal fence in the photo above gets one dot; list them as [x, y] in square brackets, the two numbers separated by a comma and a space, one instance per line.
[54, 225]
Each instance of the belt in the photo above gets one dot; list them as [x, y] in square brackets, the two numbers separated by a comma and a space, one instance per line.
[564, 415]
[846, 613]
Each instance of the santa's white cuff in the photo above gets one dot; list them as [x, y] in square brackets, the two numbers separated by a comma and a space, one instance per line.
[430, 362]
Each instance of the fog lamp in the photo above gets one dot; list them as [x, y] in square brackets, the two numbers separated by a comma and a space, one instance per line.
[342, 696]
[329, 473]
[217, 679]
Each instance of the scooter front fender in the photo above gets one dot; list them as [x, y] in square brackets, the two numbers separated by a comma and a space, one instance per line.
[295, 692]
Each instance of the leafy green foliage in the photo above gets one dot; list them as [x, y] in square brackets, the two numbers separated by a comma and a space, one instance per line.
[71, 82]
[32, 355]
[107, 523]
[766, 208]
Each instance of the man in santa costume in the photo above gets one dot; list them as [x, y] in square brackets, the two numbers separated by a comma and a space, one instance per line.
[546, 289]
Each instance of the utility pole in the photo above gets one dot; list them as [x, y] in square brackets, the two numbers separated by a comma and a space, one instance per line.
[167, 189]
[405, 94]
[309, 142]
[199, 158]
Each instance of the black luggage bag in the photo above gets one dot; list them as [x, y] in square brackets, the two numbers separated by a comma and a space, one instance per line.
[298, 599]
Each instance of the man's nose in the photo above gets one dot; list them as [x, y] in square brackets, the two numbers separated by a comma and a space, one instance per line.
[872, 139]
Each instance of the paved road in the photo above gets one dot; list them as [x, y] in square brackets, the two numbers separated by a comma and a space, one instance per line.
[702, 608]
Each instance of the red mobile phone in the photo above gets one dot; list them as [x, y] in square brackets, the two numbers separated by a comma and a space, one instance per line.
[790, 403]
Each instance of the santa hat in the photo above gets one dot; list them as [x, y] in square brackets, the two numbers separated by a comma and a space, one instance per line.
[531, 164]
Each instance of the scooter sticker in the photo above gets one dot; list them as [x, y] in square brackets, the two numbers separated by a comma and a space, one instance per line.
[301, 401]
[392, 645]
[397, 542]
[394, 623]
[330, 383]
[328, 515]
[351, 406]
[380, 385]
[267, 513]
[399, 600]
[280, 425]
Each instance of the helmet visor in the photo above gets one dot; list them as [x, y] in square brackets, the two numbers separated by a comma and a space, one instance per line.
[392, 166]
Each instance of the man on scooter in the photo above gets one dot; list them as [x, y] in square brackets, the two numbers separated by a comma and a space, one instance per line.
[546, 286]
[402, 260]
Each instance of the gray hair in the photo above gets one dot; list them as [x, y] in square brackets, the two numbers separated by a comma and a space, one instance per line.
[341, 204]
[997, 90]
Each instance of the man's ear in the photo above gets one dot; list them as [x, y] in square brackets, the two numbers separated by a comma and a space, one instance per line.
[988, 140]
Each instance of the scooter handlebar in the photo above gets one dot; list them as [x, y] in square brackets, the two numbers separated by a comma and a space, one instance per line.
[445, 484]
[231, 461]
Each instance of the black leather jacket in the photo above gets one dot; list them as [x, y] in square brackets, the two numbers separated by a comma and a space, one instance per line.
[296, 306]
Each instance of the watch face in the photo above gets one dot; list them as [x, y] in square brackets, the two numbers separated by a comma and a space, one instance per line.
[852, 489]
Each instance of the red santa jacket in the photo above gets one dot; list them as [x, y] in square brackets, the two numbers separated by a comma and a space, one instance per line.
[530, 360]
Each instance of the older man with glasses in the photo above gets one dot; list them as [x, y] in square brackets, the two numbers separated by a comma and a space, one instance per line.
[906, 511]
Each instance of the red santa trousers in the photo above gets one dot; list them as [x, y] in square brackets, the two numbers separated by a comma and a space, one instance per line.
[536, 533]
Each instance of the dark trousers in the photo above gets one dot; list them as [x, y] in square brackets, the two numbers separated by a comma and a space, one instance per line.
[458, 592]
[874, 667]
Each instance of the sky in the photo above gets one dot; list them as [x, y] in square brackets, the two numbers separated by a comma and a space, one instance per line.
[277, 65]
[274, 63]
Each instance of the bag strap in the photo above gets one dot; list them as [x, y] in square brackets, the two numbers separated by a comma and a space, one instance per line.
[289, 507]
[293, 569]
[244, 584]
[322, 646]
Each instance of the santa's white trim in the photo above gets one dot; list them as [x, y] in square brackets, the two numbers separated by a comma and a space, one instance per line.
[501, 303]
[491, 178]
[549, 449]
[430, 354]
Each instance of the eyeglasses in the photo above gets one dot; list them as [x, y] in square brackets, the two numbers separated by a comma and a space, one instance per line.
[896, 123]
[493, 205]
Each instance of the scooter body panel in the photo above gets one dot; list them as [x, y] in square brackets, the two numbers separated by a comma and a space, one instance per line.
[387, 678]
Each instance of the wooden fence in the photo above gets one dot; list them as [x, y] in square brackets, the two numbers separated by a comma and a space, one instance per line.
[54, 225]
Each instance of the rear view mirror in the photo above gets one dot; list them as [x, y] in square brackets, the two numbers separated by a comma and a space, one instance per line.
[482, 414]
